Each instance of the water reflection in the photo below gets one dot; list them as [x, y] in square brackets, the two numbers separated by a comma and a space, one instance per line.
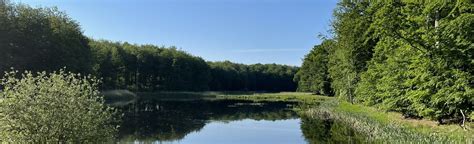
[194, 119]
[248, 131]
[149, 120]
[318, 130]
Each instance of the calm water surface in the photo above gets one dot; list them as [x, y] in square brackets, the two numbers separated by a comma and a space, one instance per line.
[248, 131]
[204, 121]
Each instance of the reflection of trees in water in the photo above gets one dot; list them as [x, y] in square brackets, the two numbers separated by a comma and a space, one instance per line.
[316, 130]
[150, 120]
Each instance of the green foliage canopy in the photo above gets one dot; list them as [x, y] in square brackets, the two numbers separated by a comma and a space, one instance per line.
[41, 39]
[148, 67]
[313, 76]
[412, 57]
[227, 76]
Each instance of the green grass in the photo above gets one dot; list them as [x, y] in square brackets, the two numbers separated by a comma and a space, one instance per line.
[425, 128]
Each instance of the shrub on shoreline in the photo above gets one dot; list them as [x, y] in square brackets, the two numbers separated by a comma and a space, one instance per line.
[55, 107]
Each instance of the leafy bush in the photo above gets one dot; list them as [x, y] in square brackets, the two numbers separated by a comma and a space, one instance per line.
[56, 107]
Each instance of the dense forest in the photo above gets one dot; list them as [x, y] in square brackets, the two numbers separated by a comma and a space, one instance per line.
[412, 57]
[46, 39]
[257, 77]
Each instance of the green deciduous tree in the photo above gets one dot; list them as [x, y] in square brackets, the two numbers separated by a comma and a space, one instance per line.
[40, 39]
[423, 65]
[353, 47]
[414, 57]
[313, 76]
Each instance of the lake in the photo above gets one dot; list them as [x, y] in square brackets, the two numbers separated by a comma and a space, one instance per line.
[164, 119]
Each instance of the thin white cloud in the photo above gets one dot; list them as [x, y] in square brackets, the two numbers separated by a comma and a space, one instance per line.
[267, 50]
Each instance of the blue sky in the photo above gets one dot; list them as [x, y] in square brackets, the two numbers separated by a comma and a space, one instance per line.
[243, 31]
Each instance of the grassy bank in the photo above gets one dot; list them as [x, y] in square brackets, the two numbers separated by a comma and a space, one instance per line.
[390, 126]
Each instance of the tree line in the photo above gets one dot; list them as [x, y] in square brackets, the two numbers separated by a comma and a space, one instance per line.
[46, 39]
[256, 77]
[412, 57]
